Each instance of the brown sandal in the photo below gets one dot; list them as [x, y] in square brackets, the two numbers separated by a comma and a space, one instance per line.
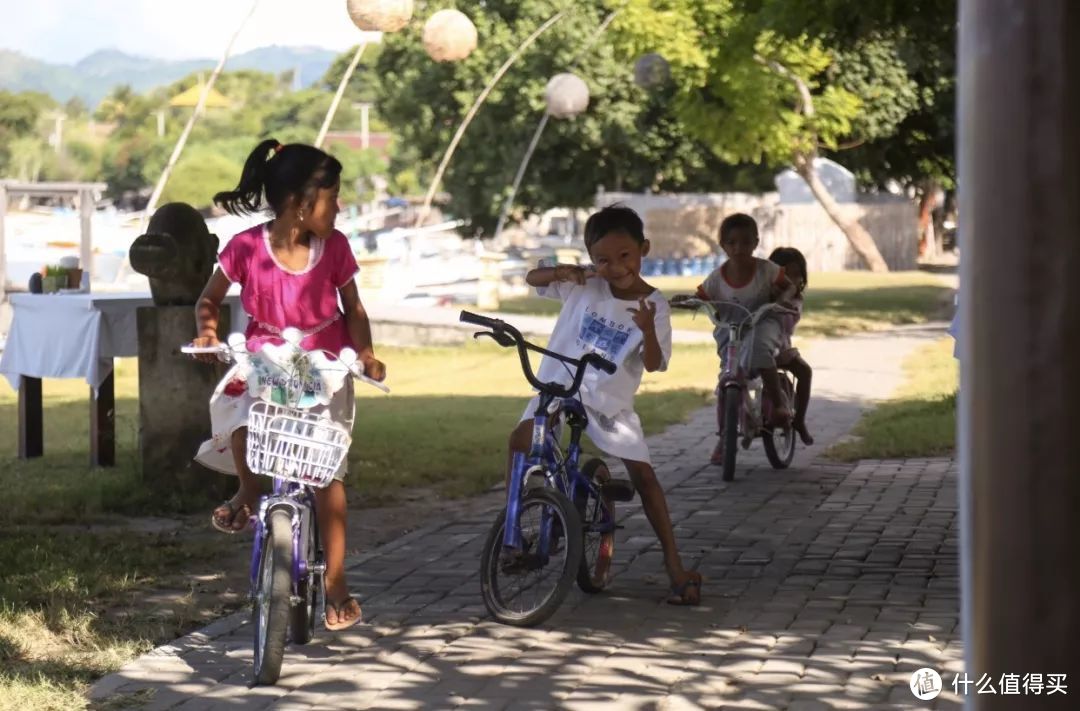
[229, 525]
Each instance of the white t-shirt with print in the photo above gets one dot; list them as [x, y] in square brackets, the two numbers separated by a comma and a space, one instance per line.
[592, 320]
[753, 295]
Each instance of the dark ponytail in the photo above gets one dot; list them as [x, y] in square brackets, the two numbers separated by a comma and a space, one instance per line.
[281, 173]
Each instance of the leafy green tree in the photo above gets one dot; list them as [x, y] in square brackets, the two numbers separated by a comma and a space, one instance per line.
[751, 93]
[20, 115]
[198, 175]
[626, 140]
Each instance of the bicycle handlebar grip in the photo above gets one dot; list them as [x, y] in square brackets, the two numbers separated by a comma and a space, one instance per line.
[600, 363]
[477, 319]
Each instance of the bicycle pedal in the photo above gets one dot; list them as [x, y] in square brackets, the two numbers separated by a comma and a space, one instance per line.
[618, 490]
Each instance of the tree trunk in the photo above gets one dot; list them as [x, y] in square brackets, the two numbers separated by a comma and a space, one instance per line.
[860, 239]
[927, 233]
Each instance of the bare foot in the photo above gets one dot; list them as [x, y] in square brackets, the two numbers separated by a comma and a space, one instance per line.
[717, 453]
[342, 614]
[686, 588]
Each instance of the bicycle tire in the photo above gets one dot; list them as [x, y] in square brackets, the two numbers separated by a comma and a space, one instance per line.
[593, 574]
[492, 555]
[302, 614]
[732, 402]
[270, 611]
[780, 456]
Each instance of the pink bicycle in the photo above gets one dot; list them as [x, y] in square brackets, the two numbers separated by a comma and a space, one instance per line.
[744, 413]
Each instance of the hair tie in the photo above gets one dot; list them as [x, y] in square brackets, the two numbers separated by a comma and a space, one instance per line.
[278, 147]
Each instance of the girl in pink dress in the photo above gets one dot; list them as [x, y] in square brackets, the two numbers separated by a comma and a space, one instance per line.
[291, 272]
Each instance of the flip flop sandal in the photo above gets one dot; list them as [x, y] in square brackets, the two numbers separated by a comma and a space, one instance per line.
[678, 592]
[337, 607]
[234, 511]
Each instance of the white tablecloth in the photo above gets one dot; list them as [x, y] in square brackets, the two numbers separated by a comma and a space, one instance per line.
[77, 335]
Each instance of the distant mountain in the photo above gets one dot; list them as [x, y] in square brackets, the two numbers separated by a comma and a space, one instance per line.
[96, 75]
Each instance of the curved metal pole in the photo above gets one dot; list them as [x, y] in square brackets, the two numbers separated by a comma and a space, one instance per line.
[521, 173]
[540, 130]
[340, 92]
[179, 148]
[475, 107]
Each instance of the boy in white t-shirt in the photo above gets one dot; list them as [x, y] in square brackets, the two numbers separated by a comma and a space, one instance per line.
[611, 311]
[750, 282]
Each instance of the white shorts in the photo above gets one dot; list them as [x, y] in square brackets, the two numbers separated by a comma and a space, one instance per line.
[619, 436]
[229, 413]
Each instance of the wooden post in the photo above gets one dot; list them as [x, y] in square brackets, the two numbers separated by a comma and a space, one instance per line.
[31, 418]
[86, 238]
[103, 424]
[1019, 138]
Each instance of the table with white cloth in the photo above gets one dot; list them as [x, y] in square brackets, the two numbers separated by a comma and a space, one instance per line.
[74, 336]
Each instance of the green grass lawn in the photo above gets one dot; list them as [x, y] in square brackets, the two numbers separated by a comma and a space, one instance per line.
[920, 421]
[837, 303]
[68, 594]
[444, 427]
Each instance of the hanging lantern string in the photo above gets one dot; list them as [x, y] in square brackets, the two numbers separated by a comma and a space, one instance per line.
[426, 207]
[542, 125]
[593, 39]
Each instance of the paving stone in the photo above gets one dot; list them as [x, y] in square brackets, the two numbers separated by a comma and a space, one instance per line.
[816, 579]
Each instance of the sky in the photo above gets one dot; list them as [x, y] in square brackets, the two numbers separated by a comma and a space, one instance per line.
[65, 31]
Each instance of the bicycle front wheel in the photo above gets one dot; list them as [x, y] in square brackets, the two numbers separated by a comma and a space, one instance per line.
[525, 587]
[732, 401]
[270, 611]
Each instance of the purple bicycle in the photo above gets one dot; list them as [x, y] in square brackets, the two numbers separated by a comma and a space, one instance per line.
[301, 451]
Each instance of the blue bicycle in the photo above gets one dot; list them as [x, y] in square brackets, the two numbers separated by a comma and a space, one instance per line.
[562, 517]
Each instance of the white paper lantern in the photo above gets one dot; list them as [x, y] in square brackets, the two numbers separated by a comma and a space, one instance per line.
[567, 95]
[380, 15]
[449, 36]
[651, 70]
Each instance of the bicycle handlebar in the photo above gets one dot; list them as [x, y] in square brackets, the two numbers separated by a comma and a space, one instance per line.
[227, 353]
[506, 336]
[693, 304]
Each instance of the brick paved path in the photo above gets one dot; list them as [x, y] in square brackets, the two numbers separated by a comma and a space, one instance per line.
[826, 586]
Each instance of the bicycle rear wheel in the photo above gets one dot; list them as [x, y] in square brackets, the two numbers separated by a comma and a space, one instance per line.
[779, 443]
[270, 611]
[302, 614]
[525, 587]
[732, 401]
[597, 514]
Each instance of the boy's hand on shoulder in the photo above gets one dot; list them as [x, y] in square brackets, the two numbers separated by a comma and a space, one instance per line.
[574, 273]
[645, 315]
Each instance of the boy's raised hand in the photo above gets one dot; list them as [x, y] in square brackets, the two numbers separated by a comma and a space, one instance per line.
[645, 315]
[573, 272]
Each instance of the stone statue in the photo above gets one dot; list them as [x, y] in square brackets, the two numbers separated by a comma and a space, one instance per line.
[177, 252]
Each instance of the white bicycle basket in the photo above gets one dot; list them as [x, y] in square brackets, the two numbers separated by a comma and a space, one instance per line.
[294, 444]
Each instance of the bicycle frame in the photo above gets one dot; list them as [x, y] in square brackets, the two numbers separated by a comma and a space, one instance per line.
[735, 370]
[545, 456]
